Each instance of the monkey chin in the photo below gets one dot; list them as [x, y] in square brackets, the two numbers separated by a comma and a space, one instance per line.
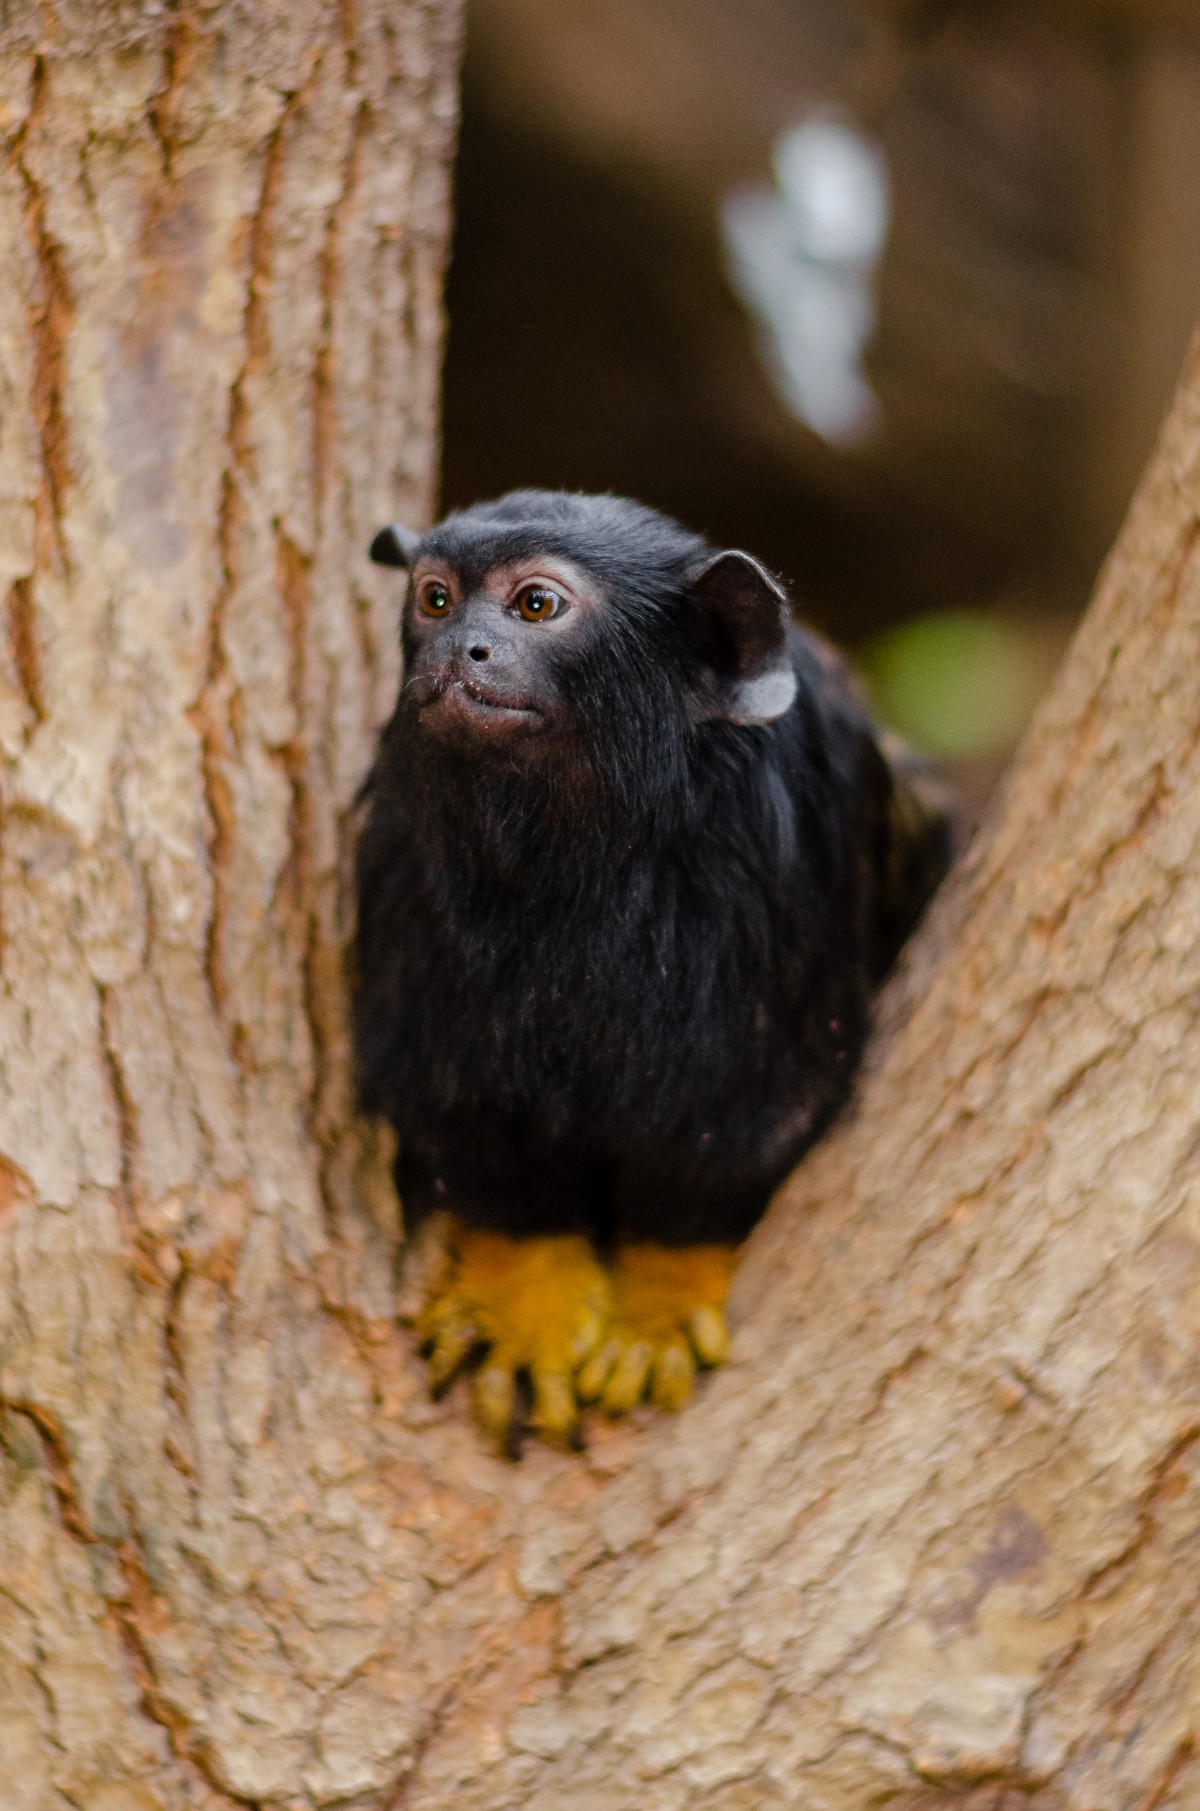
[465, 713]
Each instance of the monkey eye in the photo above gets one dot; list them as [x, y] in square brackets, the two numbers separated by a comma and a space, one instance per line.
[433, 599]
[537, 603]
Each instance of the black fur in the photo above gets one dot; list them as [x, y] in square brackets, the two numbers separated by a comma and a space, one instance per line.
[617, 979]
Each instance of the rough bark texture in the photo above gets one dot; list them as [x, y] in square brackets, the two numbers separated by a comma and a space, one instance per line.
[223, 230]
[932, 1537]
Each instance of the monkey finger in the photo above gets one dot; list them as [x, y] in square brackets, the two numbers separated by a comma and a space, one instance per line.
[554, 1412]
[674, 1375]
[439, 1313]
[589, 1331]
[627, 1384]
[452, 1344]
[590, 1382]
[493, 1393]
[709, 1334]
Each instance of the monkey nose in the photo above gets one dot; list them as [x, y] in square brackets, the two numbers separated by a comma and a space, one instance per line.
[479, 652]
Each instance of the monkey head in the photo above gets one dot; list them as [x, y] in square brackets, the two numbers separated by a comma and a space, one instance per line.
[548, 618]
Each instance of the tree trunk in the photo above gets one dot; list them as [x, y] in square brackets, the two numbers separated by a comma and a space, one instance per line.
[223, 231]
[931, 1538]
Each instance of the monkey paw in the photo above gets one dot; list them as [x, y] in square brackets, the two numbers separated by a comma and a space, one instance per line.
[668, 1317]
[539, 1306]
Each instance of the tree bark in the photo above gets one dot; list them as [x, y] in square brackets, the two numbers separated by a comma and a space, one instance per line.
[930, 1539]
[223, 230]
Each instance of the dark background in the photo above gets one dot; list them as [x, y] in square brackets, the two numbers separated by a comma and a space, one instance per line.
[1039, 284]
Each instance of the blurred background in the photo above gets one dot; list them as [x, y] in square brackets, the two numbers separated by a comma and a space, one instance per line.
[891, 292]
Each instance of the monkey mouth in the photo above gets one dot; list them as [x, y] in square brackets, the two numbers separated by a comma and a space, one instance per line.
[464, 701]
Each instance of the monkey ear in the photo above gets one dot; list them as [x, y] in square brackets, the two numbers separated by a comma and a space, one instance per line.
[394, 545]
[743, 623]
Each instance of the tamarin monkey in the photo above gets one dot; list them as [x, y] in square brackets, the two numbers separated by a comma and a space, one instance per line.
[633, 858]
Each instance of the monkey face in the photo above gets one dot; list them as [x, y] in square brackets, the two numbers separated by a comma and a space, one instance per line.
[587, 638]
[486, 650]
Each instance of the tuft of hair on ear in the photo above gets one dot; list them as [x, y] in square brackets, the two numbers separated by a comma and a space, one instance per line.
[394, 546]
[742, 619]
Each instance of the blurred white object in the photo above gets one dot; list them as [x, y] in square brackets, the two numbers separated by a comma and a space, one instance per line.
[802, 256]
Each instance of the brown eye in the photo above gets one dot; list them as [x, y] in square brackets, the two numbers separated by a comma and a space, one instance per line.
[434, 599]
[538, 604]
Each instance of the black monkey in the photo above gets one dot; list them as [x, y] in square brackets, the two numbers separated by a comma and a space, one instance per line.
[632, 861]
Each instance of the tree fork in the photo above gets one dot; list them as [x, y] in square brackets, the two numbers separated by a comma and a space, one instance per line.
[931, 1538]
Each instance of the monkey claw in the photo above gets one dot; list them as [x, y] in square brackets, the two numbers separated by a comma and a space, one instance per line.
[540, 1307]
[668, 1318]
